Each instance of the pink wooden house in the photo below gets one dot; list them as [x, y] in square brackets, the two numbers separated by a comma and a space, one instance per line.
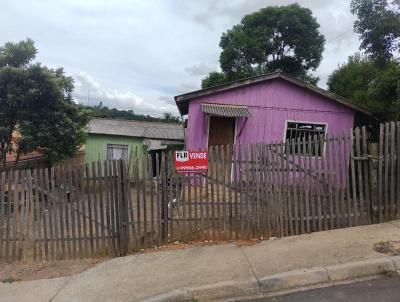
[269, 108]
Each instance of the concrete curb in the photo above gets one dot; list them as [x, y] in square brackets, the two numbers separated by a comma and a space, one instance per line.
[175, 295]
[297, 278]
[210, 292]
[285, 281]
[360, 269]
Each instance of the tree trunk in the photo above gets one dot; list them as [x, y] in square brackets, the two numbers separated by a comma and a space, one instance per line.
[18, 155]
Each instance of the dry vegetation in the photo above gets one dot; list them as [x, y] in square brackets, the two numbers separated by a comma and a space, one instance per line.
[388, 247]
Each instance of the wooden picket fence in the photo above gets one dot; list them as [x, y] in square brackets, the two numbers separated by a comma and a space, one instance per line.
[256, 191]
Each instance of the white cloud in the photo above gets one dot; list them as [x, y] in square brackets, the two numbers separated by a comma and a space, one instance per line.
[185, 87]
[200, 69]
[137, 52]
[89, 92]
[83, 79]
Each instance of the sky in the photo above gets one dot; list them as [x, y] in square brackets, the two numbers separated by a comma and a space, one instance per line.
[139, 54]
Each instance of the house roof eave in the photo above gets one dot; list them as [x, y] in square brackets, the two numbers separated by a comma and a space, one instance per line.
[183, 99]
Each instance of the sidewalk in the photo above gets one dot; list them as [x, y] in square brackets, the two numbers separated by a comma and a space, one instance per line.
[143, 276]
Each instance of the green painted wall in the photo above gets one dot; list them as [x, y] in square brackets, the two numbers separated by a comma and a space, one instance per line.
[96, 146]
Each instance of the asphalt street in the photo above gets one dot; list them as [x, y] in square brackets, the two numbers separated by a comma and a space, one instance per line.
[378, 290]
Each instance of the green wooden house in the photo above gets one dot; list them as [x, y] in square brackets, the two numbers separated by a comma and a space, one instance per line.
[110, 139]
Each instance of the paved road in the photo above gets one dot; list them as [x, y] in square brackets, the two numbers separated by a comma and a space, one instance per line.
[379, 290]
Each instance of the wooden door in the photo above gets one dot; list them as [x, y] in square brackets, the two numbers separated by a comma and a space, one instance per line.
[221, 131]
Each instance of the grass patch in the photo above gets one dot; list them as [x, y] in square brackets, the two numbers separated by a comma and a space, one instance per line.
[9, 280]
[383, 247]
[388, 247]
[391, 274]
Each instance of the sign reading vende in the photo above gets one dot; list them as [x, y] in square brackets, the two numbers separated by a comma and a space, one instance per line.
[191, 161]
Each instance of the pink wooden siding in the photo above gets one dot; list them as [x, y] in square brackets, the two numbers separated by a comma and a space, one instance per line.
[271, 104]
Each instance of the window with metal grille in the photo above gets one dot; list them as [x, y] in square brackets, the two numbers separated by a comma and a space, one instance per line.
[115, 152]
[303, 131]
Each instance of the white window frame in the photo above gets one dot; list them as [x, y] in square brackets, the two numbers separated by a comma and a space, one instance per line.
[121, 146]
[312, 123]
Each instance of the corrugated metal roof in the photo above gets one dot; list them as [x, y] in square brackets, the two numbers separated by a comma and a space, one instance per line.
[159, 144]
[136, 128]
[225, 110]
[182, 101]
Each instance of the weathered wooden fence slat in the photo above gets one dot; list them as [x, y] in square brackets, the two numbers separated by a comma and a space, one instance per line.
[111, 208]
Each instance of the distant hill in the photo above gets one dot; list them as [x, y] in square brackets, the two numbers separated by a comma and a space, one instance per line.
[114, 113]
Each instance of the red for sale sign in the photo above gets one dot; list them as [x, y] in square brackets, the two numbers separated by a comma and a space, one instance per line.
[191, 161]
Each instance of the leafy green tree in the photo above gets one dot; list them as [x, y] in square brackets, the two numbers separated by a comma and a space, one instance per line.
[213, 79]
[365, 82]
[104, 112]
[168, 117]
[36, 103]
[285, 37]
[378, 26]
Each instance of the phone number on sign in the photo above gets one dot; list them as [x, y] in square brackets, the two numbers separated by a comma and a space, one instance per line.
[192, 168]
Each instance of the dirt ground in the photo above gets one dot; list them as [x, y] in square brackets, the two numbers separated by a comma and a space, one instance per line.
[19, 271]
[181, 245]
[23, 271]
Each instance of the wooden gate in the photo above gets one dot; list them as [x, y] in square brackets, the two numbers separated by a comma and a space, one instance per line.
[64, 212]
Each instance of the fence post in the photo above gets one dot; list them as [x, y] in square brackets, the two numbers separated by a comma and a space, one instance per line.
[164, 198]
[123, 210]
[373, 180]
